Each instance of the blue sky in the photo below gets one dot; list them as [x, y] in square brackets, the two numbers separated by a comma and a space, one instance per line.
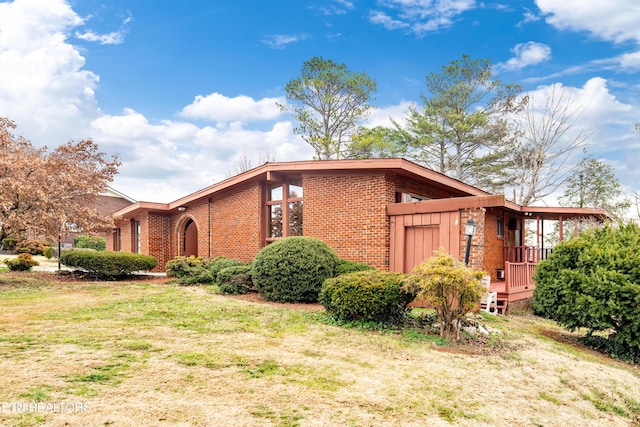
[181, 89]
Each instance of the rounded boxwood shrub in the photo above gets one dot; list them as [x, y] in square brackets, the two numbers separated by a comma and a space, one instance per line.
[22, 262]
[371, 295]
[235, 280]
[218, 264]
[108, 264]
[345, 266]
[293, 269]
[181, 266]
[49, 252]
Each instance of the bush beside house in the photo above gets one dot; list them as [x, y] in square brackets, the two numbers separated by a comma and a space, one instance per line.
[109, 265]
[593, 282]
[452, 288]
[293, 269]
[373, 295]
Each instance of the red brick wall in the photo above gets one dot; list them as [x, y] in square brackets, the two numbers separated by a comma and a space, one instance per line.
[349, 214]
[235, 226]
[493, 251]
[108, 204]
[236, 222]
[476, 253]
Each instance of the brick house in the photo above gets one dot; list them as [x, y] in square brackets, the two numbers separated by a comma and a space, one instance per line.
[389, 213]
[108, 201]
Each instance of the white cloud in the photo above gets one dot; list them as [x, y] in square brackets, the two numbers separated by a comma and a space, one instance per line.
[612, 20]
[526, 54]
[419, 16]
[47, 91]
[338, 7]
[611, 121]
[381, 18]
[116, 37]
[43, 85]
[217, 107]
[382, 116]
[165, 161]
[279, 41]
[528, 17]
[629, 61]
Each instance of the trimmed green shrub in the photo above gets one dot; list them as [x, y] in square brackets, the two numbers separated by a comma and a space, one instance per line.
[33, 247]
[372, 295]
[90, 242]
[235, 280]
[49, 252]
[218, 264]
[22, 262]
[593, 282]
[189, 270]
[9, 243]
[197, 276]
[181, 266]
[345, 266]
[110, 265]
[293, 269]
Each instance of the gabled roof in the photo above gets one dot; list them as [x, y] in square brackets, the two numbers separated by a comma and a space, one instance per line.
[271, 170]
[111, 192]
[463, 195]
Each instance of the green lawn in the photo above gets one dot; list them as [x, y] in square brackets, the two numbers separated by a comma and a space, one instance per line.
[152, 353]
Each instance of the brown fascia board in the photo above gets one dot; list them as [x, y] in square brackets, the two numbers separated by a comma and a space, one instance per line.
[545, 212]
[493, 201]
[448, 204]
[138, 208]
[271, 170]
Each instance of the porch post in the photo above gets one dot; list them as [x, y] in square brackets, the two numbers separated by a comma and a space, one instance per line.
[560, 228]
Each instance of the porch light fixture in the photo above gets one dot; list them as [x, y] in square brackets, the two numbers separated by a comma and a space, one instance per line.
[182, 208]
[470, 231]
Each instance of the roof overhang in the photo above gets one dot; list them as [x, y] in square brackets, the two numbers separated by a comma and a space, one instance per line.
[495, 201]
[274, 171]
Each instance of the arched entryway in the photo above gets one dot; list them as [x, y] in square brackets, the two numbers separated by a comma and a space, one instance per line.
[190, 239]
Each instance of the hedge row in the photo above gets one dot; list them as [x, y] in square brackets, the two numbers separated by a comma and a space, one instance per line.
[109, 265]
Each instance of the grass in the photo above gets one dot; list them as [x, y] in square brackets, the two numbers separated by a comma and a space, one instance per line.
[152, 353]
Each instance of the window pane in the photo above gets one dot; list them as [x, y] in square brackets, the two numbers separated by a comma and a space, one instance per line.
[275, 192]
[275, 220]
[295, 219]
[295, 188]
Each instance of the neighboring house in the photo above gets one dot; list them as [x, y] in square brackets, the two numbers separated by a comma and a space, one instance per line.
[107, 202]
[389, 213]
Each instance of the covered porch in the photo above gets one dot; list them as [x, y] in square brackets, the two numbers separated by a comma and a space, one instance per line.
[508, 243]
[542, 228]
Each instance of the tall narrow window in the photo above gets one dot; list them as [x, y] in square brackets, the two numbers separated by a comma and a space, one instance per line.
[138, 239]
[118, 239]
[274, 211]
[500, 227]
[295, 207]
[284, 209]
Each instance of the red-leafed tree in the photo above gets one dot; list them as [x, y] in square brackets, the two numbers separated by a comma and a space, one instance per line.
[45, 192]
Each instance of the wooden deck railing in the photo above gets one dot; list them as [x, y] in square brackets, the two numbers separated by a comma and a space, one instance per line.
[519, 276]
[526, 254]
